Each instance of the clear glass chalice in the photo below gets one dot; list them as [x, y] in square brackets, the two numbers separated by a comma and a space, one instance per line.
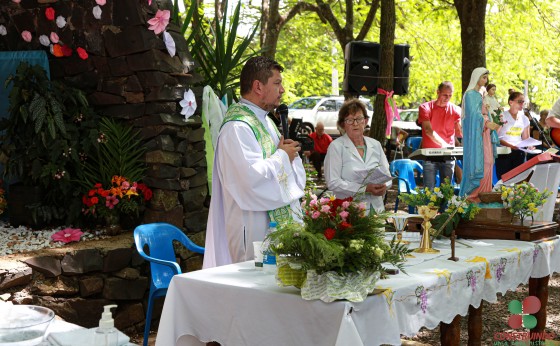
[400, 221]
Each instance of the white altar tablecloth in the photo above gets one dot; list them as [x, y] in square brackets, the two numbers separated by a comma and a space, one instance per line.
[237, 305]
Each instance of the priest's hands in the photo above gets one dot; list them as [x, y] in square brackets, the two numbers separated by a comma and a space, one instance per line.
[290, 146]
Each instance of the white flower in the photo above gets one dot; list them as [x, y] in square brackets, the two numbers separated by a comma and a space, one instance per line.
[60, 22]
[188, 103]
[97, 12]
[3, 30]
[44, 39]
[169, 43]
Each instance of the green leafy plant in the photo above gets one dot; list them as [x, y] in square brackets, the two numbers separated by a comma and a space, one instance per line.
[118, 153]
[457, 209]
[49, 129]
[219, 50]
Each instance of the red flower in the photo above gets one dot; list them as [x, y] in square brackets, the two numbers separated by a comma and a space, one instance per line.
[66, 51]
[82, 53]
[344, 225]
[49, 13]
[146, 191]
[329, 233]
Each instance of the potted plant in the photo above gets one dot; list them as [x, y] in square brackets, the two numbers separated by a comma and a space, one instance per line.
[49, 129]
[111, 177]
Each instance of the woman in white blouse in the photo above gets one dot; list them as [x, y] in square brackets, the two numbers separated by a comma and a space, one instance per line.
[352, 154]
[514, 130]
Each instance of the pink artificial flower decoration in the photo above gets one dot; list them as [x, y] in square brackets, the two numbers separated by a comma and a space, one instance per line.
[345, 204]
[315, 214]
[26, 35]
[326, 208]
[67, 235]
[344, 215]
[16, 1]
[54, 37]
[160, 21]
[111, 201]
[149, 2]
[101, 2]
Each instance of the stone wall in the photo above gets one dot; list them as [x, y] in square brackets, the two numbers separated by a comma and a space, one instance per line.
[77, 282]
[130, 75]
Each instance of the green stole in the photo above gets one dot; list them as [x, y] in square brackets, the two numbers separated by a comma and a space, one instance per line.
[239, 112]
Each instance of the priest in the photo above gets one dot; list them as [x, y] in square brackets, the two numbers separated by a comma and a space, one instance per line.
[258, 175]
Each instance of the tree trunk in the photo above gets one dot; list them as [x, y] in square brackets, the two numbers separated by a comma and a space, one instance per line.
[472, 15]
[386, 73]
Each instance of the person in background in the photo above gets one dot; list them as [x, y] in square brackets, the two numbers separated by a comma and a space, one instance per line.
[491, 100]
[536, 134]
[321, 142]
[396, 141]
[514, 130]
[478, 150]
[441, 126]
[353, 152]
[553, 121]
[258, 176]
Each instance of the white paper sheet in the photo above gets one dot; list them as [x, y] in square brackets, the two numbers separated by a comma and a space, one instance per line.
[529, 142]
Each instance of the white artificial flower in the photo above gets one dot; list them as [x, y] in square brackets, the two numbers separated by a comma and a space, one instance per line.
[44, 40]
[97, 12]
[3, 30]
[188, 103]
[169, 43]
[60, 22]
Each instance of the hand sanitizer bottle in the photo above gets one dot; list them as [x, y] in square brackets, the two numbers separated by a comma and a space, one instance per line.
[106, 334]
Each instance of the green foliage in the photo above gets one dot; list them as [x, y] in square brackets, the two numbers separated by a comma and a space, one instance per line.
[436, 197]
[119, 152]
[49, 129]
[220, 51]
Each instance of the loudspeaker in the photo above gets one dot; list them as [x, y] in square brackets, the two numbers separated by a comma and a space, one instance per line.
[361, 69]
[402, 69]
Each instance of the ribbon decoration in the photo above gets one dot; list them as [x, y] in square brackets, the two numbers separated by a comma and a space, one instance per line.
[391, 110]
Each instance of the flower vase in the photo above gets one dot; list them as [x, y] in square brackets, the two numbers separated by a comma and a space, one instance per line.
[112, 224]
[130, 221]
[290, 272]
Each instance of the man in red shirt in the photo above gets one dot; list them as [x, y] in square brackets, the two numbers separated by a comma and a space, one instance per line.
[321, 142]
[441, 126]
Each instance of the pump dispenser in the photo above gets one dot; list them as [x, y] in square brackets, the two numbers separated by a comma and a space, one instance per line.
[106, 334]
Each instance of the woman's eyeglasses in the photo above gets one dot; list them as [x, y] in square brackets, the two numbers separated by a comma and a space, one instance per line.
[350, 121]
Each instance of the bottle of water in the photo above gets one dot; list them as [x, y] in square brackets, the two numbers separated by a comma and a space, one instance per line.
[269, 259]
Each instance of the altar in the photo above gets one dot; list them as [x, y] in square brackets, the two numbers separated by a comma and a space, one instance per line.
[238, 305]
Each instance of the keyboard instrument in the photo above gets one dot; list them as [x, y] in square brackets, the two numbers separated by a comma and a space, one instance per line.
[457, 152]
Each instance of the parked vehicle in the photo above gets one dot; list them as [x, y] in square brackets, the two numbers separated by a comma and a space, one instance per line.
[408, 121]
[321, 108]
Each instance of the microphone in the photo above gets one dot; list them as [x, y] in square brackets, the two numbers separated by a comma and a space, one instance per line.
[283, 111]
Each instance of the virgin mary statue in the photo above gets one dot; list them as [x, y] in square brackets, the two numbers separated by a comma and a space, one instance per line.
[479, 148]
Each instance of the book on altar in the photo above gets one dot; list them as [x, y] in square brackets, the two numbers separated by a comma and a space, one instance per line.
[373, 176]
[541, 158]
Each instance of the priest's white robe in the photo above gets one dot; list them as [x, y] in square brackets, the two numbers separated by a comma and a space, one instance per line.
[245, 186]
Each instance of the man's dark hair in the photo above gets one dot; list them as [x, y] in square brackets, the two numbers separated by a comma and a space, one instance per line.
[445, 85]
[257, 68]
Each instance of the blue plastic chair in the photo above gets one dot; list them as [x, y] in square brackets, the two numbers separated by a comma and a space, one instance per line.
[413, 143]
[404, 171]
[158, 238]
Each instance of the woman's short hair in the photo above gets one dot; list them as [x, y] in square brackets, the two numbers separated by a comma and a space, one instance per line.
[351, 106]
[514, 95]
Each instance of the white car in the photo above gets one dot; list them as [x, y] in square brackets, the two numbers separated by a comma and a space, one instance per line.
[321, 108]
[408, 120]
